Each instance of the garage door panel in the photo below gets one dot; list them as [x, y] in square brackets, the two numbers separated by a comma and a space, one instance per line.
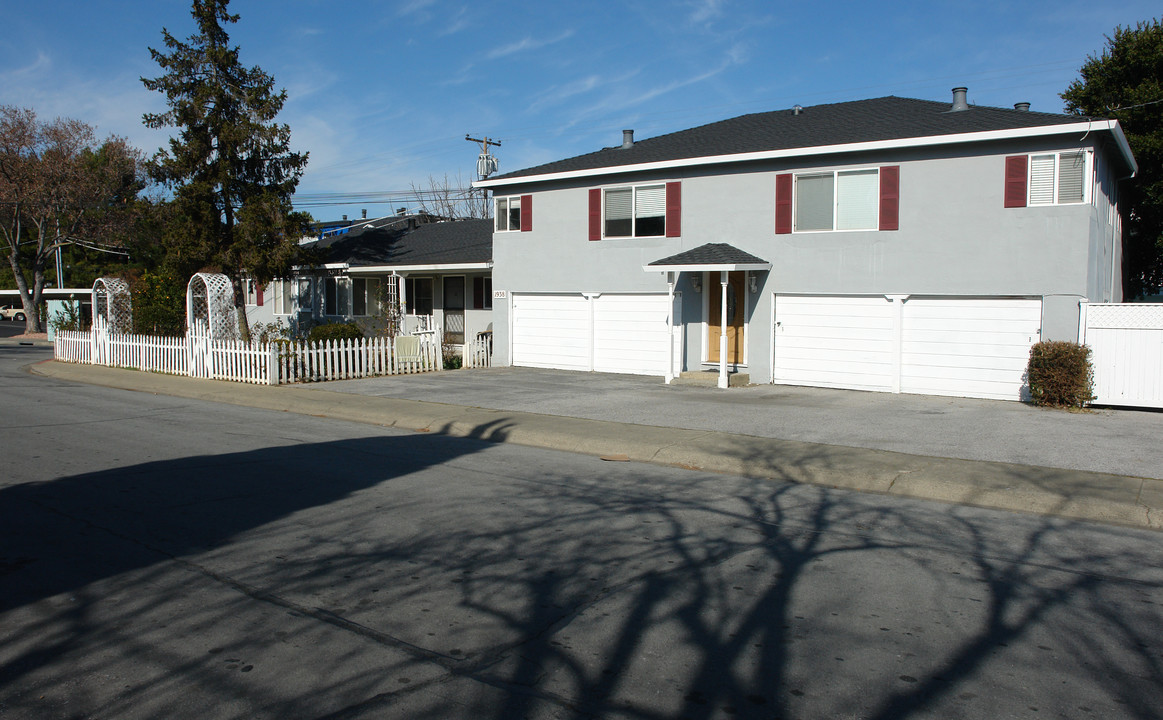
[551, 331]
[968, 347]
[844, 342]
[631, 334]
[606, 333]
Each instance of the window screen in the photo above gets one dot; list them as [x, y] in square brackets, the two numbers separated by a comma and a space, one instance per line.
[857, 200]
[814, 202]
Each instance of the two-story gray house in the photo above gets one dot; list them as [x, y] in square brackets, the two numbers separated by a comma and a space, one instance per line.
[890, 244]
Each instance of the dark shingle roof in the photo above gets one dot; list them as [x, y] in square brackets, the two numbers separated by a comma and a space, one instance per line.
[439, 243]
[858, 121]
[711, 254]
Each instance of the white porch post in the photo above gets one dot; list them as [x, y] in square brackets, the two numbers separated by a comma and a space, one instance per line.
[723, 331]
[670, 279]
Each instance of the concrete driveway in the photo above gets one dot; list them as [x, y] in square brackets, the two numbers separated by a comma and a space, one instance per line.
[1125, 442]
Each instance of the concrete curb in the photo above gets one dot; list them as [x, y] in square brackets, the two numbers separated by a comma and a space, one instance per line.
[1118, 499]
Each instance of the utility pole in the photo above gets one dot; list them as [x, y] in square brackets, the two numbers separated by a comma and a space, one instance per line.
[486, 165]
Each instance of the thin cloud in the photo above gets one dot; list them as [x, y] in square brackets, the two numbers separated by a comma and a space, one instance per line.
[457, 23]
[705, 10]
[415, 7]
[526, 43]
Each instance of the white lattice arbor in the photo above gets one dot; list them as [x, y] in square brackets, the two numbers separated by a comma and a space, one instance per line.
[112, 305]
[210, 307]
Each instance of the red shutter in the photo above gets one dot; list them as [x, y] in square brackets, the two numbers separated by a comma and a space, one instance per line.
[1015, 190]
[258, 293]
[674, 209]
[890, 178]
[526, 213]
[478, 292]
[783, 204]
[595, 214]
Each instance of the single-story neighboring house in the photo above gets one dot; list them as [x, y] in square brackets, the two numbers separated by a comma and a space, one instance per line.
[890, 244]
[435, 274]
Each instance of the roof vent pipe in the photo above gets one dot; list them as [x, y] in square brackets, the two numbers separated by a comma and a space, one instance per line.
[959, 102]
[627, 138]
[363, 213]
[1022, 106]
[797, 109]
[344, 218]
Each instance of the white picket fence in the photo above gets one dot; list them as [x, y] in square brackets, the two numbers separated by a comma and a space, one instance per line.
[1126, 344]
[478, 353]
[275, 363]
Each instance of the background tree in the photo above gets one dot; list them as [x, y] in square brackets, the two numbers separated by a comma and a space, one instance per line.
[58, 187]
[230, 167]
[1125, 82]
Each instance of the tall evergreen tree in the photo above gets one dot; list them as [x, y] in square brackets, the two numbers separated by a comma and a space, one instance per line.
[1125, 82]
[230, 167]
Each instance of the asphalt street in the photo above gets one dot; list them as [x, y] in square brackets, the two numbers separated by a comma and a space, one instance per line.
[168, 557]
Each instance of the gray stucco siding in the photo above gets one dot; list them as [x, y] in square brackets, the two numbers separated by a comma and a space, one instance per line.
[955, 238]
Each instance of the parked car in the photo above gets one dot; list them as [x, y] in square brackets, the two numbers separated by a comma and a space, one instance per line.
[12, 312]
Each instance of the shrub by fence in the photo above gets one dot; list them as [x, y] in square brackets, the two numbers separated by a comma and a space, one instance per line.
[1060, 374]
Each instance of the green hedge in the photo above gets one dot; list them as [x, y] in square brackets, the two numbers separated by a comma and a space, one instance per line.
[335, 331]
[1060, 374]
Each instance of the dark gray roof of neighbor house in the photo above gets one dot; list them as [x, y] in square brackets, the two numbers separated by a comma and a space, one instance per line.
[858, 121]
[402, 242]
[711, 254]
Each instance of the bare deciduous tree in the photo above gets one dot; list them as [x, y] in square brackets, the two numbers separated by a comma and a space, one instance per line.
[58, 187]
[453, 200]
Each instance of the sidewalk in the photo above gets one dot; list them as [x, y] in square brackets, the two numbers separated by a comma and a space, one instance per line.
[1067, 493]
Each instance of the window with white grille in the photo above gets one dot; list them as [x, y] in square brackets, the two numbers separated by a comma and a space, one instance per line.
[1058, 178]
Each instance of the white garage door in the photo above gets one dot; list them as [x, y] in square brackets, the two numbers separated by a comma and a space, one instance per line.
[551, 331]
[630, 334]
[833, 341]
[617, 333]
[968, 347]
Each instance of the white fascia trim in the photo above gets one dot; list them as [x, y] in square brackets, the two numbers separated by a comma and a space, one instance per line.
[1125, 147]
[727, 267]
[335, 266]
[453, 267]
[1081, 128]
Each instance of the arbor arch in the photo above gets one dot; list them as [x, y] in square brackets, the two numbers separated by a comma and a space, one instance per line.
[210, 307]
[112, 305]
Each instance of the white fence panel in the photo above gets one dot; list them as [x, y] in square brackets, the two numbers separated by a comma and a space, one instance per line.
[197, 355]
[478, 353]
[1126, 344]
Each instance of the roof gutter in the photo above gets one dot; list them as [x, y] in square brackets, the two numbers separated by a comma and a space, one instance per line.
[1081, 128]
[437, 267]
[709, 267]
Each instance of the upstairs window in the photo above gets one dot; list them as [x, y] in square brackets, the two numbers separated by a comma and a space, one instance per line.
[635, 211]
[848, 200]
[1046, 178]
[1057, 178]
[514, 213]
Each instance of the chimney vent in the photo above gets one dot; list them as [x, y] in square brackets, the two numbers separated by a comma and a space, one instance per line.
[627, 138]
[345, 218]
[363, 213]
[797, 109]
[959, 102]
[1022, 106]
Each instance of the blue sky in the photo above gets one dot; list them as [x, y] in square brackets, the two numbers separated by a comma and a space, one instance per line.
[382, 93]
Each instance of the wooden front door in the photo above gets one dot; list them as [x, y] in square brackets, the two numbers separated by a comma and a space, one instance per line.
[735, 312]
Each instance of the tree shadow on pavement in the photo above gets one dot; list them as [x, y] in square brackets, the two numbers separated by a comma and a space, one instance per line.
[426, 576]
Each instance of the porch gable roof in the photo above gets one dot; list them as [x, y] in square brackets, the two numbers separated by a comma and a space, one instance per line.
[710, 257]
